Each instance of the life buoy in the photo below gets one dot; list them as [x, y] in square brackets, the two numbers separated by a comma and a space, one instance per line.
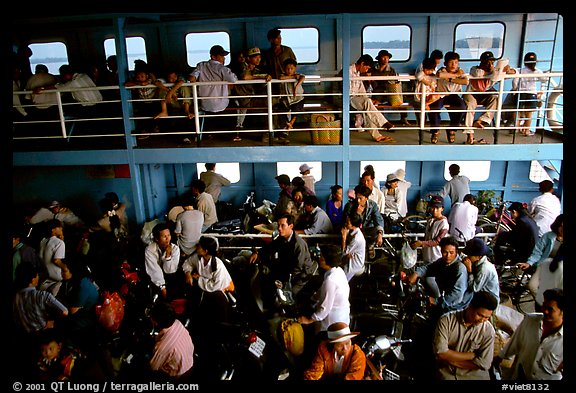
[551, 110]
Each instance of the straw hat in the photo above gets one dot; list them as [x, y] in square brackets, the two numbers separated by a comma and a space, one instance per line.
[340, 331]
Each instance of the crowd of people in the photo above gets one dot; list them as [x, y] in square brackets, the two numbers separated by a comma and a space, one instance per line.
[160, 97]
[53, 287]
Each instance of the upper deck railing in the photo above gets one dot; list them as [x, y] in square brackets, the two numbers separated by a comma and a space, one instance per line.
[105, 119]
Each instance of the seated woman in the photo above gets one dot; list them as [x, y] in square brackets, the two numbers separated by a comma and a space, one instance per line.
[209, 279]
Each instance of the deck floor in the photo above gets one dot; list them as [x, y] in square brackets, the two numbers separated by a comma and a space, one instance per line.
[173, 137]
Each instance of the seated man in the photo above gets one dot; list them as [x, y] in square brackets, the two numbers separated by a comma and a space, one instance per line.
[315, 220]
[287, 257]
[481, 81]
[359, 100]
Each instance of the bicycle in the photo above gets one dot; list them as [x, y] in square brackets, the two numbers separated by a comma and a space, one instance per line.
[496, 219]
[514, 284]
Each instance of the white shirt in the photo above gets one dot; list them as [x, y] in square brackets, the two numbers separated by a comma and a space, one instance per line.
[86, 96]
[378, 197]
[463, 217]
[544, 209]
[547, 279]
[209, 281]
[539, 359]
[355, 252]
[357, 85]
[332, 299]
[50, 249]
[528, 84]
[157, 263]
[403, 186]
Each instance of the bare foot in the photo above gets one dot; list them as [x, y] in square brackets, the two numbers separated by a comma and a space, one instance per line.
[190, 115]
[161, 114]
[478, 124]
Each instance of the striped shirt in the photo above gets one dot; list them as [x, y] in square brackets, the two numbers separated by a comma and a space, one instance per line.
[32, 309]
[173, 351]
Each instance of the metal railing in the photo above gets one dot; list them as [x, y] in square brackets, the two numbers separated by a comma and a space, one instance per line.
[549, 115]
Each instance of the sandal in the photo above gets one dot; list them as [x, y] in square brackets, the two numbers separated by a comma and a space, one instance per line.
[385, 139]
[451, 136]
[434, 138]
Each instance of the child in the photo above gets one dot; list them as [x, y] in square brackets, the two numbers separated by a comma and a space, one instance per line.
[56, 362]
[429, 68]
[436, 228]
[294, 98]
[172, 94]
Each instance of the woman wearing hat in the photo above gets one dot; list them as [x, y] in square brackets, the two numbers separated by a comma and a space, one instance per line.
[392, 197]
[337, 358]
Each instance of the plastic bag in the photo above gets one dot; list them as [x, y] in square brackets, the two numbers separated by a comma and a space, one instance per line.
[408, 256]
[111, 312]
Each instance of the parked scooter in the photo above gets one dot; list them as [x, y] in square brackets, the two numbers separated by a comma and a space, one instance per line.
[383, 357]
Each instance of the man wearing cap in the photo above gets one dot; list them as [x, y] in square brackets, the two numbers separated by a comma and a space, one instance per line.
[337, 358]
[481, 81]
[482, 275]
[213, 70]
[251, 71]
[309, 180]
[383, 68]
[528, 100]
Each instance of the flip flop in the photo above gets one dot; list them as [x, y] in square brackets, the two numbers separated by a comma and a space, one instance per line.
[385, 139]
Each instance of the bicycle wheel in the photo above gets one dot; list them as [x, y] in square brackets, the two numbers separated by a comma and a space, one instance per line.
[414, 223]
[524, 301]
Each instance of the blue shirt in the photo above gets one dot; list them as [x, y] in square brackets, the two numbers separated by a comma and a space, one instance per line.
[452, 280]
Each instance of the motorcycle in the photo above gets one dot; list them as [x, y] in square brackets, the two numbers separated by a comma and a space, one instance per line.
[383, 357]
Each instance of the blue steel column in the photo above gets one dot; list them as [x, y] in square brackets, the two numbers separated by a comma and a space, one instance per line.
[344, 33]
[135, 178]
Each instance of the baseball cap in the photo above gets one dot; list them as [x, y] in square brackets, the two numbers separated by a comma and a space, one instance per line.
[476, 247]
[391, 178]
[218, 50]
[530, 57]
[487, 56]
[254, 51]
[305, 167]
[436, 201]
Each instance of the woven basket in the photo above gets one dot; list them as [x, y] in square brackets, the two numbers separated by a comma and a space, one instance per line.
[325, 137]
[395, 99]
